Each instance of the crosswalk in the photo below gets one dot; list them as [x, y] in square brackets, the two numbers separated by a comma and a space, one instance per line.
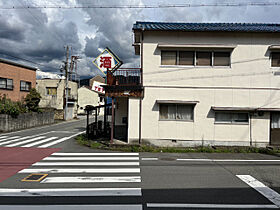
[89, 174]
[43, 140]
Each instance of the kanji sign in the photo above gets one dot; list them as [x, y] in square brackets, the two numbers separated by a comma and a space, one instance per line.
[107, 60]
[97, 87]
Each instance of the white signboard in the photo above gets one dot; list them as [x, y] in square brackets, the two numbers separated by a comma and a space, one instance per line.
[106, 60]
[96, 86]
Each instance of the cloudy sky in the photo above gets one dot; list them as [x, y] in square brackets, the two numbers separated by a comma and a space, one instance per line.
[39, 35]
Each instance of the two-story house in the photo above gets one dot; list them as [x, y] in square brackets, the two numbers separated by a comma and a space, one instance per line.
[203, 84]
[16, 79]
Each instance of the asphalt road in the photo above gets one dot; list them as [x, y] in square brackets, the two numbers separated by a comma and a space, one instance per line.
[81, 178]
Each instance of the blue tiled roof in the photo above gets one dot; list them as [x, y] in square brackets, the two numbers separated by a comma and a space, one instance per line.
[227, 27]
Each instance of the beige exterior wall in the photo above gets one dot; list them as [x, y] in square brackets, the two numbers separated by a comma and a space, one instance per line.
[57, 102]
[250, 81]
[88, 97]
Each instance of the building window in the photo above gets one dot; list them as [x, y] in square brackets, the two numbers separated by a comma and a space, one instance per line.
[231, 117]
[51, 91]
[6, 84]
[221, 59]
[168, 57]
[176, 112]
[196, 58]
[275, 59]
[203, 58]
[25, 86]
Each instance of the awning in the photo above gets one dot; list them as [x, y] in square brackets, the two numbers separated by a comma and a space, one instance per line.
[195, 46]
[248, 109]
[274, 47]
[176, 102]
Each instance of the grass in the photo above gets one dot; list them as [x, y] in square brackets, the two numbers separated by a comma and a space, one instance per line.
[104, 145]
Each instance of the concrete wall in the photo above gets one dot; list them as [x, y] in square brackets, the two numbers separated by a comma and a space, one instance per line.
[16, 73]
[26, 120]
[250, 81]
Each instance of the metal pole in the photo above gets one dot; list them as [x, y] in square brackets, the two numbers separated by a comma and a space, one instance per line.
[112, 123]
[87, 122]
[66, 74]
[105, 116]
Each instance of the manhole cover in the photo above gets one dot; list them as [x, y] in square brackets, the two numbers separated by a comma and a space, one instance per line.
[34, 178]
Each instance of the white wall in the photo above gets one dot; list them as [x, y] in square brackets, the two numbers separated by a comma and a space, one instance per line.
[249, 82]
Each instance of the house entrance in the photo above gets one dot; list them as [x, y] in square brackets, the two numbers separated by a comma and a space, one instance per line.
[275, 128]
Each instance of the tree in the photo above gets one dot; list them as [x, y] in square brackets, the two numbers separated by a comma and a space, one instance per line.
[32, 100]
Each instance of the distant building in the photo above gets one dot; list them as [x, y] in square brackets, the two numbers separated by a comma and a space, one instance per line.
[53, 93]
[16, 79]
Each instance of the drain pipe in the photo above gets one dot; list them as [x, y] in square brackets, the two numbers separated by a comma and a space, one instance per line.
[140, 102]
[250, 129]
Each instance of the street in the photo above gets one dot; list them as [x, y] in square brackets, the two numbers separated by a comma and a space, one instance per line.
[78, 177]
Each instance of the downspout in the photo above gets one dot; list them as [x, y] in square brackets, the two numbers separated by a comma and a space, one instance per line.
[140, 103]
[250, 129]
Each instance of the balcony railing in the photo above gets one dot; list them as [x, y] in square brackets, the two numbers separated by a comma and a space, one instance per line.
[126, 77]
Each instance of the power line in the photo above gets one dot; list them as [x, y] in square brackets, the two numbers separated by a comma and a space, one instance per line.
[159, 6]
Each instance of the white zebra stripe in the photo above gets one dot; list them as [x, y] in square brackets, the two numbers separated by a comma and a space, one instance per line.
[81, 170]
[27, 141]
[40, 142]
[89, 179]
[97, 154]
[91, 158]
[86, 164]
[14, 140]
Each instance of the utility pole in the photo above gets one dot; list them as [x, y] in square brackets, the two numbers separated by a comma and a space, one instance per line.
[66, 85]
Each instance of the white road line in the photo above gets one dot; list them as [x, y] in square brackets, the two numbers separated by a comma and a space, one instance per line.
[73, 207]
[88, 179]
[72, 192]
[1, 137]
[80, 170]
[270, 194]
[27, 141]
[91, 158]
[10, 138]
[15, 140]
[96, 154]
[60, 140]
[212, 206]
[86, 164]
[40, 142]
[149, 158]
[229, 160]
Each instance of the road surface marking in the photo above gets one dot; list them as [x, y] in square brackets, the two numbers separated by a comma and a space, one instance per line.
[86, 164]
[1, 137]
[229, 160]
[212, 206]
[10, 138]
[149, 158]
[60, 140]
[91, 158]
[73, 207]
[24, 142]
[270, 194]
[88, 179]
[72, 192]
[96, 154]
[14, 140]
[81, 170]
[40, 142]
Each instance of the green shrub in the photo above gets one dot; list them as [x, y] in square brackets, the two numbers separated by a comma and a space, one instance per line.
[32, 100]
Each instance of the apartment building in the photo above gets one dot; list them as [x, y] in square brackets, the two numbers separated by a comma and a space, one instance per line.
[16, 79]
[203, 84]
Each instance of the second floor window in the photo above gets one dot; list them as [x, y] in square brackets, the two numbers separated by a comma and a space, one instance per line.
[25, 86]
[6, 84]
[196, 58]
[51, 91]
[275, 59]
